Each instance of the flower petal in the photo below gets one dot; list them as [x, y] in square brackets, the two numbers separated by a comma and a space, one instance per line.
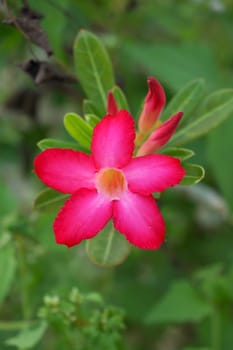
[153, 105]
[82, 217]
[153, 173]
[160, 136]
[113, 140]
[138, 218]
[65, 170]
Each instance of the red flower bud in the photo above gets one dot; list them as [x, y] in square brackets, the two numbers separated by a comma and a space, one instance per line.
[111, 104]
[153, 106]
[160, 136]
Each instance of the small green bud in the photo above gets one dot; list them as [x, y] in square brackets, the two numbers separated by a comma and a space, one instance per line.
[75, 296]
[51, 301]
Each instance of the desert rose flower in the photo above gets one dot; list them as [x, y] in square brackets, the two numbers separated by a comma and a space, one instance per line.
[109, 184]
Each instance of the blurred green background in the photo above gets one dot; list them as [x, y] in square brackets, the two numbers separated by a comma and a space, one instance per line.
[181, 296]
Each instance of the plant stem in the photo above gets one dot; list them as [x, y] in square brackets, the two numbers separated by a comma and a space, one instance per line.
[68, 339]
[216, 341]
[14, 325]
[23, 275]
[109, 244]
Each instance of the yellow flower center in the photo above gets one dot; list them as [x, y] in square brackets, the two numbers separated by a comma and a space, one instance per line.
[111, 182]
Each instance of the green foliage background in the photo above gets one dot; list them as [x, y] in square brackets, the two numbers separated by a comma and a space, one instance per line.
[177, 298]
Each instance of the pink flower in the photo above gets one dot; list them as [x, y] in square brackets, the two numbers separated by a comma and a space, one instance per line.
[153, 106]
[109, 184]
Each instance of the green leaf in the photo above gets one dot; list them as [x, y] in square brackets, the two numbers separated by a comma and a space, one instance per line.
[180, 153]
[109, 248]
[216, 99]
[219, 153]
[213, 282]
[49, 199]
[92, 120]
[9, 199]
[7, 266]
[28, 337]
[93, 68]
[221, 110]
[79, 129]
[89, 108]
[50, 25]
[185, 100]
[191, 59]
[53, 143]
[180, 304]
[120, 98]
[194, 174]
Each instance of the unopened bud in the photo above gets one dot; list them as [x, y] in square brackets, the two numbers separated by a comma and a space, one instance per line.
[153, 106]
[160, 136]
[111, 104]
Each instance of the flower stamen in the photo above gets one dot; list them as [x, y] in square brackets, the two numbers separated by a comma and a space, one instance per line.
[111, 182]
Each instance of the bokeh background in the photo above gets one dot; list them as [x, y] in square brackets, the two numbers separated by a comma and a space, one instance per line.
[181, 296]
